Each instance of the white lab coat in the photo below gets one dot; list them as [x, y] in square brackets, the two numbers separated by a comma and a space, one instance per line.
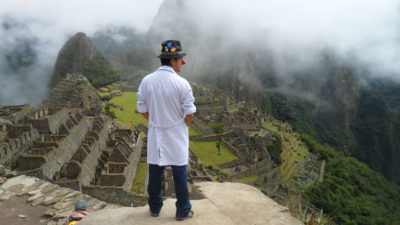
[168, 98]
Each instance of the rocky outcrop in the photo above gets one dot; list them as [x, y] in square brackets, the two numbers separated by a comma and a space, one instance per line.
[223, 203]
[55, 202]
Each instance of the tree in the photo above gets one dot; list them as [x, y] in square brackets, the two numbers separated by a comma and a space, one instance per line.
[218, 128]
[108, 111]
[218, 145]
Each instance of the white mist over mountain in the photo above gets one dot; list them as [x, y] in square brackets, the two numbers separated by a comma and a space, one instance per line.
[33, 31]
[369, 31]
[292, 31]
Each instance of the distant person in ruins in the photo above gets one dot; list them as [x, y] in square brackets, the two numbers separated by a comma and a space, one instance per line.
[166, 100]
[78, 213]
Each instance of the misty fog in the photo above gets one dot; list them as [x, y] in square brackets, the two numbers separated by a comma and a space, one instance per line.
[32, 33]
[285, 35]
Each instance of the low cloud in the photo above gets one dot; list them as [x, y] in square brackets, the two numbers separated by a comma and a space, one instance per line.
[32, 33]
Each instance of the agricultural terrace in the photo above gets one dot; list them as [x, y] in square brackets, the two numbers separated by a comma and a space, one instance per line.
[208, 153]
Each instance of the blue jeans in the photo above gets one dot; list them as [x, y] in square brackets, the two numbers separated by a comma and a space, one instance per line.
[155, 200]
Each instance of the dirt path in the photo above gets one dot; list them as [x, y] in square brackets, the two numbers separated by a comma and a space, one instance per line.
[13, 210]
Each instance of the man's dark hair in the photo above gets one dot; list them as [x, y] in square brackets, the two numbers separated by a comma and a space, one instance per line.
[166, 61]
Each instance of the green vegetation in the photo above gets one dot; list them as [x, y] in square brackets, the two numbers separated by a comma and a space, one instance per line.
[218, 145]
[377, 132]
[373, 134]
[140, 178]
[234, 110]
[309, 218]
[100, 72]
[207, 153]
[192, 131]
[249, 179]
[390, 89]
[108, 111]
[127, 115]
[275, 150]
[218, 128]
[351, 192]
[105, 97]
[79, 55]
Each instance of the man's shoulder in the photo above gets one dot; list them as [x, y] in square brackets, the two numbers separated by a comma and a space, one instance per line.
[148, 76]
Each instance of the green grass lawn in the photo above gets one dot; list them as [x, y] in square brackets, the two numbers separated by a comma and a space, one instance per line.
[140, 178]
[208, 153]
[193, 132]
[234, 110]
[128, 101]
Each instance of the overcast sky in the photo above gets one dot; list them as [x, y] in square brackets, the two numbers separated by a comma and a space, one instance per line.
[84, 15]
[368, 29]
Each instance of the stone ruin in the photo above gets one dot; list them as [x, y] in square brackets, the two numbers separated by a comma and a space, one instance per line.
[74, 92]
[85, 153]
[64, 145]
[203, 95]
[244, 133]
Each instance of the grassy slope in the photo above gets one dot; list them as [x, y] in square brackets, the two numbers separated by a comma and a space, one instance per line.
[127, 116]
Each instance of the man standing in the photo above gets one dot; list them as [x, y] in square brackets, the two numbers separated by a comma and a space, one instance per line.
[166, 100]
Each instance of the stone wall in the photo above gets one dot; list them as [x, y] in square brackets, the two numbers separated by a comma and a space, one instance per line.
[134, 159]
[80, 170]
[231, 164]
[50, 123]
[201, 127]
[234, 150]
[121, 165]
[257, 168]
[90, 164]
[212, 137]
[115, 195]
[46, 158]
[19, 143]
[66, 149]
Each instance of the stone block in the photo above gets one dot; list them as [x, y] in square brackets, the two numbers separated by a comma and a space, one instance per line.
[112, 179]
[118, 156]
[28, 162]
[71, 169]
[2, 170]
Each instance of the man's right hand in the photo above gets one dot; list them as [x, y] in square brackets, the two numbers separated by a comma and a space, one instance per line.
[188, 119]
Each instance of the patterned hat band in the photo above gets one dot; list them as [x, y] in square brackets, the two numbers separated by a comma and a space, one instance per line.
[171, 49]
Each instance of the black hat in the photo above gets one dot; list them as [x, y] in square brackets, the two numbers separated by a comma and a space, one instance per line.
[171, 49]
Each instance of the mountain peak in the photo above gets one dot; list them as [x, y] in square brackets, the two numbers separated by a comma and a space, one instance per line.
[76, 52]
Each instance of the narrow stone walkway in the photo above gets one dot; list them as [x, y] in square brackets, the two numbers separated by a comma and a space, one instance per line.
[31, 201]
[224, 204]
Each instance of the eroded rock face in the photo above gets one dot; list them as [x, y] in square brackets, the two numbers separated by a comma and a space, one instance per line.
[224, 203]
